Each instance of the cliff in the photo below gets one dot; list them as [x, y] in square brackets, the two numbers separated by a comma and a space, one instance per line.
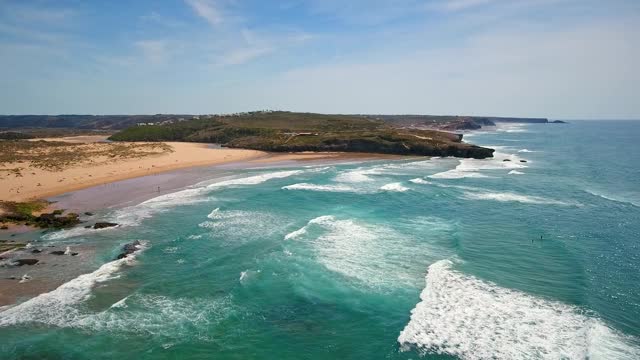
[293, 132]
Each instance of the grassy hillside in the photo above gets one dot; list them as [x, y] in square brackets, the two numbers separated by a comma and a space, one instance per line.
[287, 131]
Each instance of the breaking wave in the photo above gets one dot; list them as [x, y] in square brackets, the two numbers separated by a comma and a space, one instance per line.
[463, 316]
[420, 181]
[394, 187]
[371, 255]
[511, 197]
[323, 188]
[472, 168]
[57, 307]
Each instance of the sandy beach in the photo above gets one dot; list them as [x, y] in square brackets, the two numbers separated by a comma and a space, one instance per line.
[36, 183]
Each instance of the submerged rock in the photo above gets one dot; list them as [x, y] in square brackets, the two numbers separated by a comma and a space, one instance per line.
[57, 252]
[20, 262]
[102, 225]
[523, 161]
[128, 249]
[88, 213]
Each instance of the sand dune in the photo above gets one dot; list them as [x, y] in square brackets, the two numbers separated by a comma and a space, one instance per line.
[36, 183]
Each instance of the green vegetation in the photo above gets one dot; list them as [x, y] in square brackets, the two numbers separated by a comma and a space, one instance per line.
[289, 132]
[24, 213]
[13, 135]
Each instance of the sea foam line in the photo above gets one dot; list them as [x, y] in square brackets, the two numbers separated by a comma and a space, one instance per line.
[511, 197]
[466, 317]
[321, 188]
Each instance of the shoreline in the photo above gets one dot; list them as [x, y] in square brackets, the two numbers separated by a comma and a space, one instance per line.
[35, 183]
[103, 198]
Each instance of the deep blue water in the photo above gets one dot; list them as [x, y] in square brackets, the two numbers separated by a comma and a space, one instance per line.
[440, 258]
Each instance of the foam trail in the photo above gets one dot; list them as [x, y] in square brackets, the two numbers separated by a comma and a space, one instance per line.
[57, 307]
[394, 187]
[321, 188]
[611, 198]
[254, 180]
[463, 316]
[420, 181]
[133, 215]
[368, 255]
[511, 197]
[515, 172]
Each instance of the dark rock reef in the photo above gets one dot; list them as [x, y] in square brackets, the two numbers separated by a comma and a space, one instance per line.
[103, 225]
[129, 249]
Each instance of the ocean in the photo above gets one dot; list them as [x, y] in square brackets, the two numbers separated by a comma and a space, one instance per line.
[532, 254]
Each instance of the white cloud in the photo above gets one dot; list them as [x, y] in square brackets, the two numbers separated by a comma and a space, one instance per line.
[207, 10]
[587, 71]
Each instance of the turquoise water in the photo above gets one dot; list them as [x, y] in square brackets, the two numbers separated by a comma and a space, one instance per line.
[437, 258]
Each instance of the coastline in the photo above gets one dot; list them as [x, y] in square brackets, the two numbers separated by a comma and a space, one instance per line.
[110, 193]
[35, 183]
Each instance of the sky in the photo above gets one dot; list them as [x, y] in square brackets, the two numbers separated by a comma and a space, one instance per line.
[562, 59]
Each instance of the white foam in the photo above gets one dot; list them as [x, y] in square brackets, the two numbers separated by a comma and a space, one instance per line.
[511, 197]
[356, 176]
[420, 181]
[321, 188]
[457, 174]
[295, 234]
[179, 319]
[515, 172]
[472, 168]
[254, 180]
[240, 226]
[394, 187]
[57, 307]
[463, 316]
[525, 151]
[243, 275]
[133, 215]
[368, 255]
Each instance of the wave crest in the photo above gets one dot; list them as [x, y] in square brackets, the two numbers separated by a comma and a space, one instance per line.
[463, 316]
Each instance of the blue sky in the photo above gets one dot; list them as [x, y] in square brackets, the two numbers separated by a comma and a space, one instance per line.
[552, 58]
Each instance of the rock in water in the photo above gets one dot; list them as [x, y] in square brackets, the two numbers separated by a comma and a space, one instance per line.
[129, 249]
[20, 262]
[102, 225]
[57, 252]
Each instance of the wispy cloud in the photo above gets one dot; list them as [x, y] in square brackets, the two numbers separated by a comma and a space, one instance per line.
[243, 55]
[207, 10]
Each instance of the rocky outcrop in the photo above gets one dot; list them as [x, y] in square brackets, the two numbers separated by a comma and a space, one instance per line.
[129, 249]
[558, 122]
[23, 213]
[102, 225]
